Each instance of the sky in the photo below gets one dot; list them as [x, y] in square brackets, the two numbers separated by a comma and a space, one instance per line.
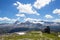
[29, 10]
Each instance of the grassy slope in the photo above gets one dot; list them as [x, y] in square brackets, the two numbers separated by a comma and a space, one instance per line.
[33, 35]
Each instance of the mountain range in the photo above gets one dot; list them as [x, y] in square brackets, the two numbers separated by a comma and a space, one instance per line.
[27, 26]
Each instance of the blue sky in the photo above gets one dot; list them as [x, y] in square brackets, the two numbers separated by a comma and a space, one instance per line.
[29, 10]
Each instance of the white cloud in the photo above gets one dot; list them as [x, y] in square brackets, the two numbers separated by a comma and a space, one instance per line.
[38, 22]
[31, 19]
[25, 8]
[34, 20]
[20, 15]
[6, 19]
[15, 4]
[48, 16]
[56, 20]
[41, 3]
[56, 11]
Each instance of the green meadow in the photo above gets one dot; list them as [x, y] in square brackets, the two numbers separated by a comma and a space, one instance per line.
[32, 35]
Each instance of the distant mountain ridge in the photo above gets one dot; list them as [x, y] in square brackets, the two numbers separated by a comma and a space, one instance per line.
[4, 28]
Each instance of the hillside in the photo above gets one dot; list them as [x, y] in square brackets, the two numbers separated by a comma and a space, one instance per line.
[32, 35]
